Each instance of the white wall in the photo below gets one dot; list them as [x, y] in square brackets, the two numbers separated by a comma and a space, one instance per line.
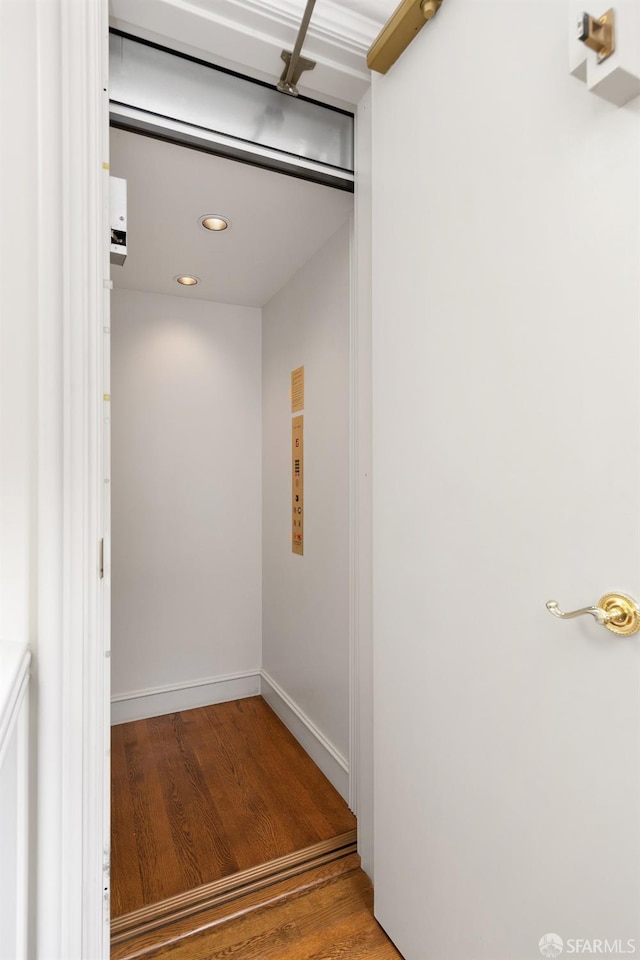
[18, 322]
[186, 489]
[19, 206]
[306, 599]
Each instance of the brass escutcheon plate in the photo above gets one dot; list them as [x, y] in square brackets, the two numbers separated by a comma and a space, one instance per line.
[624, 613]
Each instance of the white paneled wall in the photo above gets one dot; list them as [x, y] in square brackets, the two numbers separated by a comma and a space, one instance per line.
[14, 801]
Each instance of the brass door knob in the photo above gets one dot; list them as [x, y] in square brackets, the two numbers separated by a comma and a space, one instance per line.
[615, 611]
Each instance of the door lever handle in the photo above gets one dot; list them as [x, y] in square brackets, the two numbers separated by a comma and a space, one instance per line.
[615, 611]
[600, 615]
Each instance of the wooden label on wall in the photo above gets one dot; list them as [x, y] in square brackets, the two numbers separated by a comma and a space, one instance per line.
[297, 486]
[297, 390]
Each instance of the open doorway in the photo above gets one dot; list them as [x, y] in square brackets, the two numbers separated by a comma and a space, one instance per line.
[223, 638]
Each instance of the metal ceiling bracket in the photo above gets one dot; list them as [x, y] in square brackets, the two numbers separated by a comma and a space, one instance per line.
[287, 84]
[295, 65]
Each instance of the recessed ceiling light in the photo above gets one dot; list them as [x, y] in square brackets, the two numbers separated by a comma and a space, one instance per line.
[187, 281]
[213, 221]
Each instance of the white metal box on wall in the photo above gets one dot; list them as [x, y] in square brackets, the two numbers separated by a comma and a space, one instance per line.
[118, 219]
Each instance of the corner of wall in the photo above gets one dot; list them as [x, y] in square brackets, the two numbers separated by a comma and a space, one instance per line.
[309, 736]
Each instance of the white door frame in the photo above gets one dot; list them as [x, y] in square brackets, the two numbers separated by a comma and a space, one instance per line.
[361, 518]
[74, 696]
[71, 669]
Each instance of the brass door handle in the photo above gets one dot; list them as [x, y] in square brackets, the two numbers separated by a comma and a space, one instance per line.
[615, 611]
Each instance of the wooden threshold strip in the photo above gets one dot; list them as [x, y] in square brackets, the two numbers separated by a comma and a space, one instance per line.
[229, 888]
[154, 943]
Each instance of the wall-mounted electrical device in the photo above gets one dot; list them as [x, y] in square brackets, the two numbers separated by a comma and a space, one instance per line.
[297, 485]
[118, 219]
[296, 395]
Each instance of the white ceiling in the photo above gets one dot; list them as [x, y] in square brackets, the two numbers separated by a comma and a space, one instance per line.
[377, 10]
[277, 222]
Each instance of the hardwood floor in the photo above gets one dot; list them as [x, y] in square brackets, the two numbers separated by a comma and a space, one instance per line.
[324, 914]
[192, 903]
[200, 795]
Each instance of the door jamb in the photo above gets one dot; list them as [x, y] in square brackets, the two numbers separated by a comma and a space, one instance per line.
[361, 518]
[71, 671]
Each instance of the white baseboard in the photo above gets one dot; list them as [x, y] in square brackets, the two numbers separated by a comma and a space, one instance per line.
[334, 766]
[156, 701]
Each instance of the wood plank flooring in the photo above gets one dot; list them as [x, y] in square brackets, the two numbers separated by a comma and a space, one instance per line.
[203, 794]
[325, 914]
